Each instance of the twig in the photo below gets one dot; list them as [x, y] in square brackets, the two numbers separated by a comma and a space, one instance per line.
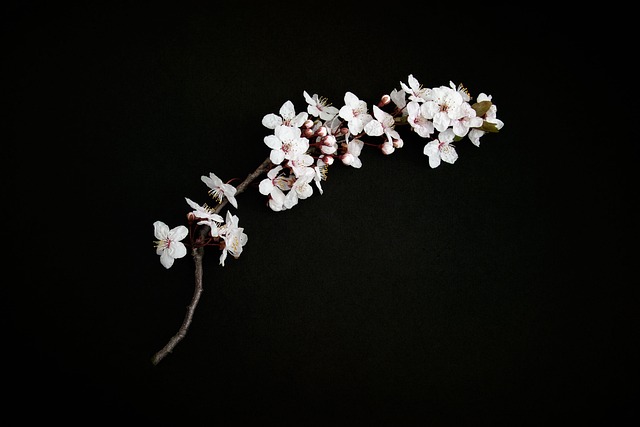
[198, 254]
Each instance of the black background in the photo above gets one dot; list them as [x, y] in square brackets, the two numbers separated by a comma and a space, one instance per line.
[490, 292]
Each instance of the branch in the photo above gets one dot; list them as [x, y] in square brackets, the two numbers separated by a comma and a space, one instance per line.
[198, 254]
[197, 258]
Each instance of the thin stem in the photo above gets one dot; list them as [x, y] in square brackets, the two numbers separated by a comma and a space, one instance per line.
[197, 258]
[198, 254]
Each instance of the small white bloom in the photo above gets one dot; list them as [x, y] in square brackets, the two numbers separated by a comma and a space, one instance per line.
[207, 217]
[441, 149]
[300, 190]
[352, 156]
[464, 93]
[466, 119]
[274, 185]
[318, 107]
[442, 107]
[418, 120]
[169, 245]
[355, 113]
[301, 165]
[383, 123]
[286, 143]
[234, 238]
[287, 117]
[219, 190]
[415, 90]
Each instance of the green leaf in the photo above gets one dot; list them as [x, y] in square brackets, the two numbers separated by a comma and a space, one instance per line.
[481, 107]
[489, 127]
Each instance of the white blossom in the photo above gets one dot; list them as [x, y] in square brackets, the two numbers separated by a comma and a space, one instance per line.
[442, 107]
[417, 119]
[286, 143]
[169, 245]
[383, 123]
[318, 107]
[219, 190]
[441, 149]
[287, 117]
[299, 190]
[234, 238]
[352, 155]
[355, 113]
[466, 119]
[415, 90]
[206, 216]
[274, 186]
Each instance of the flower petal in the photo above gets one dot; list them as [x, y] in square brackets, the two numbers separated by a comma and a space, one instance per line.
[160, 230]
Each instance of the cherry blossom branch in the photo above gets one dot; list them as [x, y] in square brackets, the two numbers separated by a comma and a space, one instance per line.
[305, 144]
[198, 254]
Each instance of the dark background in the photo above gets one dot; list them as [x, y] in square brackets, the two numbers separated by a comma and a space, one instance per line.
[490, 292]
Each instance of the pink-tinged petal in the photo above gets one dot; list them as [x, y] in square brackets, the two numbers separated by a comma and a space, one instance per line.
[265, 186]
[223, 257]
[355, 147]
[271, 121]
[273, 142]
[178, 233]
[232, 200]
[448, 154]
[434, 161]
[351, 99]
[291, 199]
[374, 128]
[179, 249]
[160, 230]
[276, 156]
[166, 260]
[431, 148]
[287, 111]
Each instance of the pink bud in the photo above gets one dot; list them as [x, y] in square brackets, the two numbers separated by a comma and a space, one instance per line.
[347, 158]
[387, 148]
[327, 160]
[384, 100]
[344, 130]
[308, 133]
[308, 123]
[322, 131]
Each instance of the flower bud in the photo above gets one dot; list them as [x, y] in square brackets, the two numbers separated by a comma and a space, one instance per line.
[191, 217]
[387, 148]
[347, 158]
[322, 131]
[308, 123]
[328, 160]
[344, 130]
[384, 100]
[308, 133]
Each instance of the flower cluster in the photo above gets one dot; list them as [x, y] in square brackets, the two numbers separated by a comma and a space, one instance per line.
[305, 144]
[226, 234]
